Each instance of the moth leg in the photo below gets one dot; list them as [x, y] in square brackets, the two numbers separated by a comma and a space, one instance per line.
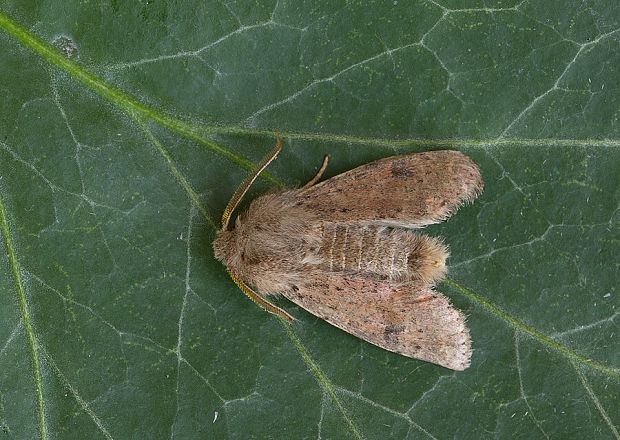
[262, 303]
[316, 178]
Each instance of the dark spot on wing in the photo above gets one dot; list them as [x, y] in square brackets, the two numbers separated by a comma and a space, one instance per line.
[391, 332]
[400, 169]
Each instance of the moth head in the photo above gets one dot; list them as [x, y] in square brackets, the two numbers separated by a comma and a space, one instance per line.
[225, 244]
[229, 245]
[221, 245]
[233, 247]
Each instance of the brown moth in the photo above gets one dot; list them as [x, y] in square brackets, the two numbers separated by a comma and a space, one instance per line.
[345, 250]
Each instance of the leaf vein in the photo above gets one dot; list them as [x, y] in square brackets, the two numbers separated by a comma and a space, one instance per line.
[331, 78]
[597, 403]
[395, 413]
[522, 327]
[321, 378]
[10, 338]
[556, 84]
[33, 344]
[522, 389]
[74, 392]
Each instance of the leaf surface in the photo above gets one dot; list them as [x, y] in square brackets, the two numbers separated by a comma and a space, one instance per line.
[126, 126]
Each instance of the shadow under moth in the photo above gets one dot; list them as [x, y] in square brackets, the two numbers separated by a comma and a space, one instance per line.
[346, 250]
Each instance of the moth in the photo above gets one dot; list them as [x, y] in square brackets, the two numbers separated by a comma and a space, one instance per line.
[347, 250]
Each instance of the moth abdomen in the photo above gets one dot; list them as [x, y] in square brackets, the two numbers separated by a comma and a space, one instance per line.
[385, 253]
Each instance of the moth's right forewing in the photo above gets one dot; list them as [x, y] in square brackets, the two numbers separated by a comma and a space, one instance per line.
[410, 319]
[411, 190]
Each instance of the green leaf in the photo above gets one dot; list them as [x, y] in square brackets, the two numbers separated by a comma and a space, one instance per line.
[127, 126]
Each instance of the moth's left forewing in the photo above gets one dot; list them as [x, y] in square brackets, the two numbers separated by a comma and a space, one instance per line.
[410, 319]
[411, 190]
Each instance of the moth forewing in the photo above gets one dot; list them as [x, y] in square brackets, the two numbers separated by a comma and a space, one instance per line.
[343, 250]
[407, 191]
[410, 318]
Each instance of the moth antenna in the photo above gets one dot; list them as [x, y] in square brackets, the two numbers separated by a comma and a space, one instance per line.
[245, 185]
[263, 303]
[316, 178]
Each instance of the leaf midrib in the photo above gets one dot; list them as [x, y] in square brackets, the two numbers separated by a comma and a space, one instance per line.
[137, 109]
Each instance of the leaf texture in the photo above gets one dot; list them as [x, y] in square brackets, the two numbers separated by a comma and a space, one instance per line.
[126, 126]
